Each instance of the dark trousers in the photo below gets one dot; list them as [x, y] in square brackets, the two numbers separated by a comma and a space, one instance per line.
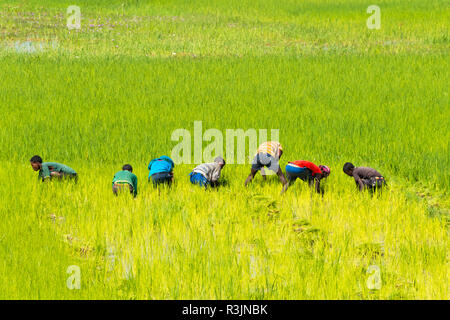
[303, 173]
[375, 183]
[162, 178]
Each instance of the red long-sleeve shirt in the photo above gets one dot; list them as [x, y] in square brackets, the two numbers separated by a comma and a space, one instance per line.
[311, 166]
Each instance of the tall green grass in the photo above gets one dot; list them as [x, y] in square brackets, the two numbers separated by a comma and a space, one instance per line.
[337, 91]
[387, 112]
[233, 244]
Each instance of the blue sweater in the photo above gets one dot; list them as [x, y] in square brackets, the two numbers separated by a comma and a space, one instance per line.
[162, 164]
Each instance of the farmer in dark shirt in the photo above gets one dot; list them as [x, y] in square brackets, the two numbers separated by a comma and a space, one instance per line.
[365, 178]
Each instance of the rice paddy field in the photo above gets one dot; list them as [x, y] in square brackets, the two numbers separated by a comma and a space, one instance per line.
[113, 91]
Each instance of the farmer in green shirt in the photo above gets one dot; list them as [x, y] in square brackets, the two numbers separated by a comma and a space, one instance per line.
[50, 170]
[125, 179]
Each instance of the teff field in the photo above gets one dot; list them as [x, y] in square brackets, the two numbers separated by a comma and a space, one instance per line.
[113, 91]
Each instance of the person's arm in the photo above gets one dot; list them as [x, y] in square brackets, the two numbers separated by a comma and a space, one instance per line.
[250, 177]
[171, 169]
[135, 185]
[281, 176]
[45, 173]
[317, 182]
[285, 187]
[358, 181]
[215, 175]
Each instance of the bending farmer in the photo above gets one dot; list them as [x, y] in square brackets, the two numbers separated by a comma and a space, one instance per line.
[365, 178]
[50, 170]
[208, 174]
[161, 171]
[306, 171]
[125, 180]
[268, 155]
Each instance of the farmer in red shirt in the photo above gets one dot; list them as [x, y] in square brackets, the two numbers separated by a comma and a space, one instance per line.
[306, 171]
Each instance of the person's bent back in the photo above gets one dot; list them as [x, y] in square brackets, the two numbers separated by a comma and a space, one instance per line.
[306, 171]
[268, 155]
[161, 171]
[207, 174]
[51, 170]
[125, 180]
[365, 177]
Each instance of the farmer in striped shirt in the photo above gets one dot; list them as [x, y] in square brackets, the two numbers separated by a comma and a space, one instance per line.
[207, 174]
[306, 171]
[268, 155]
[125, 180]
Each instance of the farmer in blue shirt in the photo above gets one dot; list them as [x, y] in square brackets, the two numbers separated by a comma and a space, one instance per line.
[161, 171]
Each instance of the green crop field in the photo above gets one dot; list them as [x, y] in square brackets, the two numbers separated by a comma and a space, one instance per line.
[114, 91]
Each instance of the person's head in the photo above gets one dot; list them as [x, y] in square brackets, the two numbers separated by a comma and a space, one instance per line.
[325, 170]
[348, 168]
[220, 161]
[127, 167]
[36, 163]
[280, 152]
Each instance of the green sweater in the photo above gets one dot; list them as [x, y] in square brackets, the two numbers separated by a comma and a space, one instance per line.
[126, 176]
[48, 167]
